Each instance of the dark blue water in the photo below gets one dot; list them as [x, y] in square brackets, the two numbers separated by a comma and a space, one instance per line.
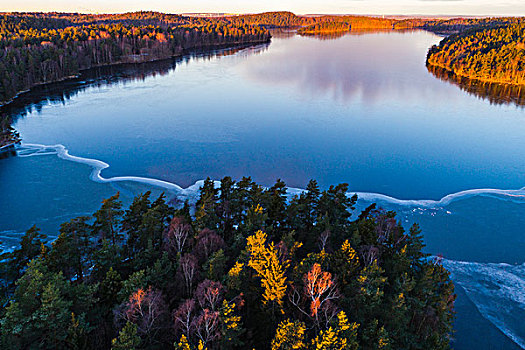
[361, 109]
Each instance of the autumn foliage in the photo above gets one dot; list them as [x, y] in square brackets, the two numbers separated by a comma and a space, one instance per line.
[252, 268]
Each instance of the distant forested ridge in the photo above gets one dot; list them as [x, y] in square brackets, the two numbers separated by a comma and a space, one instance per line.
[288, 19]
[248, 268]
[325, 28]
[456, 25]
[490, 53]
[39, 48]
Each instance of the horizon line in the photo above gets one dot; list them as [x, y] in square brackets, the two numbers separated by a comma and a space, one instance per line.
[226, 14]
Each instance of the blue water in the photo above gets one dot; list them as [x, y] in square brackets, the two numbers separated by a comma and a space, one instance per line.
[361, 109]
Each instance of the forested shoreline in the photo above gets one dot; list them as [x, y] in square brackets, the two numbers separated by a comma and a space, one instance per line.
[38, 48]
[248, 267]
[489, 53]
[41, 48]
[325, 28]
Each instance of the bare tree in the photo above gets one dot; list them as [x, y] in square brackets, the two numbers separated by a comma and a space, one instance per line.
[177, 235]
[319, 288]
[323, 239]
[209, 294]
[147, 310]
[207, 326]
[369, 254]
[317, 299]
[184, 318]
[188, 270]
[208, 242]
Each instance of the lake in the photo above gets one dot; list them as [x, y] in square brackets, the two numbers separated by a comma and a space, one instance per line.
[361, 108]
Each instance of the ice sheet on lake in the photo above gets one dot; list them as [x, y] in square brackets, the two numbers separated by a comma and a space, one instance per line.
[497, 290]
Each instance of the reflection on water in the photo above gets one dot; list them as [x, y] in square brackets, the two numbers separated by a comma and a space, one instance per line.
[361, 109]
[494, 93]
[368, 65]
[62, 92]
[325, 36]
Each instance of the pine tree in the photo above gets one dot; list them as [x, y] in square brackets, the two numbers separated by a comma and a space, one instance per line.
[106, 219]
[128, 338]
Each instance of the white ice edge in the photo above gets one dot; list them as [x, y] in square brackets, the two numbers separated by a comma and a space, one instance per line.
[98, 165]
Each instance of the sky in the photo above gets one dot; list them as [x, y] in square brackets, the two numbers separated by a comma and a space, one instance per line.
[379, 7]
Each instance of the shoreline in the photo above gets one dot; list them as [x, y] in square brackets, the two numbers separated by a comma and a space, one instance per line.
[205, 49]
[476, 79]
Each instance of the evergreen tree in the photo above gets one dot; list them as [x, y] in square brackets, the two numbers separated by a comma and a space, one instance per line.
[128, 338]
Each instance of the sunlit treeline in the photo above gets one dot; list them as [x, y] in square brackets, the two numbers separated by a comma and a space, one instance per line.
[489, 53]
[40, 48]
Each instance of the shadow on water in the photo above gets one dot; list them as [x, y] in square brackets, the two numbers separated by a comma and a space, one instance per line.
[498, 94]
[61, 92]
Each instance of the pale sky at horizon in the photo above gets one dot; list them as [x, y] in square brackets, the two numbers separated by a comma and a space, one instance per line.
[408, 7]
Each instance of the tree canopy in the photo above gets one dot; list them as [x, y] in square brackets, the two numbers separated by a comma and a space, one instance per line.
[39, 48]
[494, 53]
[247, 267]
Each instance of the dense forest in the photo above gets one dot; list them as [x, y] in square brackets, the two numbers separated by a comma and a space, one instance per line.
[247, 268]
[40, 48]
[456, 25]
[325, 28]
[288, 19]
[487, 53]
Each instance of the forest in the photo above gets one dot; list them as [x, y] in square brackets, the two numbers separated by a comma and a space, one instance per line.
[41, 48]
[325, 28]
[247, 267]
[8, 135]
[37, 48]
[288, 19]
[489, 53]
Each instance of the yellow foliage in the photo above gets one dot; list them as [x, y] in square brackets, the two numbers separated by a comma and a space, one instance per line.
[350, 253]
[264, 260]
[236, 269]
[258, 209]
[230, 320]
[289, 335]
[336, 338]
[183, 343]
[295, 247]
